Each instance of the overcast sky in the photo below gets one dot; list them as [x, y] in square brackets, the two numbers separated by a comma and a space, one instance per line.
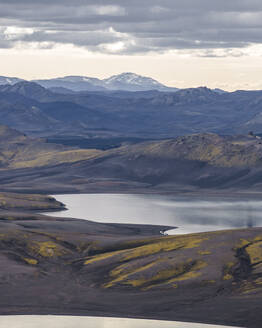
[186, 43]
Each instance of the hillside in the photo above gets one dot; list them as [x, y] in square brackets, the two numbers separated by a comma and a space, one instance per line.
[184, 163]
[197, 161]
[75, 267]
[17, 151]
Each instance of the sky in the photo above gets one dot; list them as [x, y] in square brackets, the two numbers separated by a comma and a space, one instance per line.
[189, 43]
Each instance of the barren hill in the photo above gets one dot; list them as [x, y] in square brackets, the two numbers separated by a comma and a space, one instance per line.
[190, 162]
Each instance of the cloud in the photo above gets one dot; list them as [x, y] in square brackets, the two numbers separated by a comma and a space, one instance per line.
[134, 27]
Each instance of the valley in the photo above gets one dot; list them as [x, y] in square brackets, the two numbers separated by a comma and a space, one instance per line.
[130, 164]
[55, 142]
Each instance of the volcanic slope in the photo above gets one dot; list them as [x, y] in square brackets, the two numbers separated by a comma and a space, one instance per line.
[76, 267]
[196, 161]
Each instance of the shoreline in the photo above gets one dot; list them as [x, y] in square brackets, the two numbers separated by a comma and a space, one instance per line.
[67, 285]
[117, 319]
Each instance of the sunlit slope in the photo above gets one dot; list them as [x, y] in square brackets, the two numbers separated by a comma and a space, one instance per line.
[20, 151]
[229, 259]
[223, 151]
[214, 260]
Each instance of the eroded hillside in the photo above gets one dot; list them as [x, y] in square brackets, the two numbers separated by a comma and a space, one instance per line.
[69, 266]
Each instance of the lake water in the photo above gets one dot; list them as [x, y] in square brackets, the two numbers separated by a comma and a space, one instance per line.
[189, 214]
[88, 322]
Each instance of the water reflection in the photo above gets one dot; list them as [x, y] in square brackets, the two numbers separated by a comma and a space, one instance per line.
[190, 214]
[88, 322]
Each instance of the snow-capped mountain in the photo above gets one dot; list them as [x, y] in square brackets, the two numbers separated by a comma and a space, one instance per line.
[9, 80]
[124, 82]
[134, 82]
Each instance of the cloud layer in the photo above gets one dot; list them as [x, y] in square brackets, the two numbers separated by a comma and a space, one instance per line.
[133, 27]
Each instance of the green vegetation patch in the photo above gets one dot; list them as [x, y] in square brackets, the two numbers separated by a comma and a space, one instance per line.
[47, 249]
[204, 252]
[254, 252]
[154, 274]
[228, 271]
[154, 246]
[30, 261]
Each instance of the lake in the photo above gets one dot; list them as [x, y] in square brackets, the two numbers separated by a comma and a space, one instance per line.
[36, 321]
[189, 214]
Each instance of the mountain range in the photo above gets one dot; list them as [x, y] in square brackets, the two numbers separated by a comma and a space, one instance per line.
[124, 82]
[152, 114]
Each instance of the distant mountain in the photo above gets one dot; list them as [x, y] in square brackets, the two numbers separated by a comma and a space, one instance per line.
[134, 82]
[9, 80]
[124, 82]
[27, 89]
[23, 113]
[151, 114]
[75, 83]
[61, 90]
[35, 110]
[219, 91]
[129, 82]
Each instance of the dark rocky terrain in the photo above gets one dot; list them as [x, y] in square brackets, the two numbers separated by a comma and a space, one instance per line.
[74, 267]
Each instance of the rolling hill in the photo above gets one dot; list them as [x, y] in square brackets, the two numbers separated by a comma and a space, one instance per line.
[19, 151]
[200, 161]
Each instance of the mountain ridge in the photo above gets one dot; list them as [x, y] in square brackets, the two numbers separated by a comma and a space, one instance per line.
[124, 81]
[152, 114]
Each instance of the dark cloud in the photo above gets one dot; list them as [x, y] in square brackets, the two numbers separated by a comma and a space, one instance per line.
[132, 26]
